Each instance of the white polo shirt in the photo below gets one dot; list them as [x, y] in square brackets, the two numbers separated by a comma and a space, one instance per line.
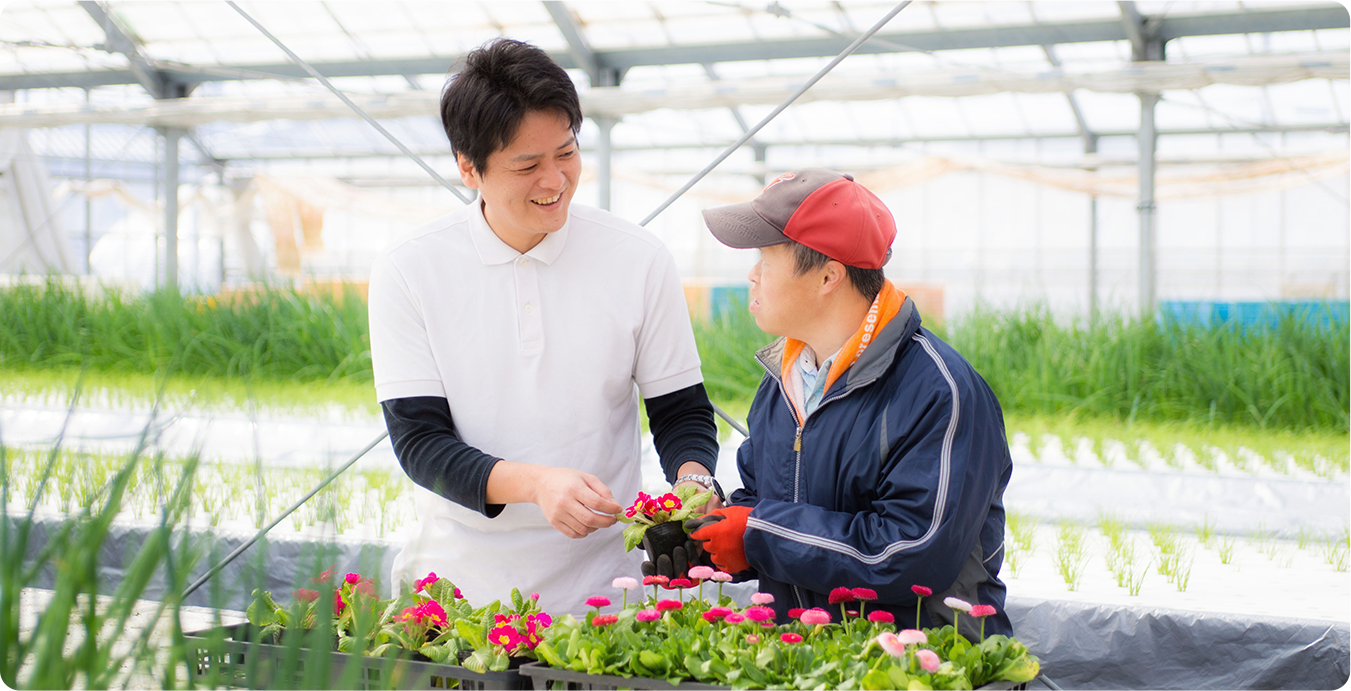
[542, 358]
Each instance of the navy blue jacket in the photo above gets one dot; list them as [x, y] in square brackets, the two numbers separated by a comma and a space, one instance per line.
[896, 479]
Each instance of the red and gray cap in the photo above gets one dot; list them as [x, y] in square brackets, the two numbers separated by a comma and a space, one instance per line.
[819, 208]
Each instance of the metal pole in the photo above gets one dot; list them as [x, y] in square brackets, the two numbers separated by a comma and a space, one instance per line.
[1093, 259]
[1147, 142]
[88, 177]
[604, 156]
[171, 137]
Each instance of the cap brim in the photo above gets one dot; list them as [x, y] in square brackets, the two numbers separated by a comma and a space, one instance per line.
[738, 226]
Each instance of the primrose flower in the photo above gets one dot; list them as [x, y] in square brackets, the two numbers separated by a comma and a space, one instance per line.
[542, 619]
[957, 603]
[367, 588]
[669, 502]
[625, 583]
[460, 596]
[762, 599]
[865, 594]
[734, 618]
[506, 636]
[913, 637]
[928, 659]
[338, 604]
[431, 609]
[598, 601]
[816, 616]
[921, 590]
[352, 578]
[796, 612]
[752, 639]
[604, 620]
[790, 638]
[882, 617]
[839, 595]
[533, 596]
[306, 595]
[721, 577]
[889, 643]
[419, 585]
[647, 615]
[759, 613]
[668, 605]
[703, 573]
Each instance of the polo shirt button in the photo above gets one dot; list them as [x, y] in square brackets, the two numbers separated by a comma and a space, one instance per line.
[529, 307]
[521, 261]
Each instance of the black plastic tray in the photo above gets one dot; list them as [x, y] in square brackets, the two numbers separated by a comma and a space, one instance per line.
[545, 677]
[229, 660]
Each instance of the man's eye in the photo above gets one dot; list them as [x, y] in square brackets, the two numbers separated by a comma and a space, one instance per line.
[568, 153]
[526, 169]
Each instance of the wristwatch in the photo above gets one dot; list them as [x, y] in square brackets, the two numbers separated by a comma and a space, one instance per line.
[708, 481]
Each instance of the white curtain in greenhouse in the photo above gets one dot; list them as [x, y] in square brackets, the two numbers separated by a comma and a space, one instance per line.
[32, 239]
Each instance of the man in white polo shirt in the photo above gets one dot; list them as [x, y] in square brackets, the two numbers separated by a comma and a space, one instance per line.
[510, 342]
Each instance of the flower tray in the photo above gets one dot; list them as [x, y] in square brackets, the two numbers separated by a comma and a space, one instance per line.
[546, 678]
[229, 661]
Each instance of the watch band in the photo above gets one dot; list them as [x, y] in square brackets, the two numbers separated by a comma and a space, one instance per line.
[708, 481]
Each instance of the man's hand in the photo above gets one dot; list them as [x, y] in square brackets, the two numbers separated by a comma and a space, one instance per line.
[566, 496]
[695, 468]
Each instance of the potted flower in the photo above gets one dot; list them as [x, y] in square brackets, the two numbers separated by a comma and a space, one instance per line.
[658, 523]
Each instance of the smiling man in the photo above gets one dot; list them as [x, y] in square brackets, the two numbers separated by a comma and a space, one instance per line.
[511, 341]
[876, 453]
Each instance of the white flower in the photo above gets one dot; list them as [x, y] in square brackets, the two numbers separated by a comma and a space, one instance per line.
[957, 603]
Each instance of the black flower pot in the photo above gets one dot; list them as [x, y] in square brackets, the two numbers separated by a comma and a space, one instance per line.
[663, 538]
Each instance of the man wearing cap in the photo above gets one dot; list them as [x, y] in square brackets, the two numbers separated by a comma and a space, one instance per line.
[876, 457]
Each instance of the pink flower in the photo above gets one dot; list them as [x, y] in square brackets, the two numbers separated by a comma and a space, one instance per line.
[852, 612]
[460, 596]
[790, 638]
[762, 599]
[815, 616]
[352, 578]
[669, 502]
[839, 595]
[759, 613]
[506, 636]
[679, 583]
[767, 624]
[957, 603]
[721, 577]
[982, 610]
[752, 639]
[625, 583]
[647, 615]
[668, 605]
[598, 601]
[709, 617]
[306, 595]
[888, 641]
[865, 594]
[543, 620]
[796, 612]
[921, 590]
[913, 637]
[719, 611]
[655, 580]
[734, 618]
[423, 583]
[881, 616]
[431, 609]
[338, 604]
[928, 659]
[533, 596]
[702, 573]
[366, 587]
[604, 620]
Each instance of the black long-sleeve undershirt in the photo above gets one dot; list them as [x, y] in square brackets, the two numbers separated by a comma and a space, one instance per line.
[433, 455]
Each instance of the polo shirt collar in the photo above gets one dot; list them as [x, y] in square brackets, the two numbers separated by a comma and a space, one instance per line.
[491, 249]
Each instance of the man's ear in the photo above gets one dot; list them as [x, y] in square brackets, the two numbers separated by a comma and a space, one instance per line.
[468, 175]
[833, 276]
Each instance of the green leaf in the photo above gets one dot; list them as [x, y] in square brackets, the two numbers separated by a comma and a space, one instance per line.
[471, 633]
[262, 611]
[499, 662]
[633, 536]
[443, 591]
[437, 653]
[550, 656]
[516, 600]
[380, 650]
[656, 662]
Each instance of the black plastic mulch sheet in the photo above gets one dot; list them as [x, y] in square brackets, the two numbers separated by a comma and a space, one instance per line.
[1081, 645]
[1094, 646]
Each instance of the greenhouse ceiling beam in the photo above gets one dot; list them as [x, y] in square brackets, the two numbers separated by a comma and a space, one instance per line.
[600, 75]
[1168, 28]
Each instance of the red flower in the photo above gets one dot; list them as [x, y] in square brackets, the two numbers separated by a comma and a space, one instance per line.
[432, 610]
[852, 612]
[604, 620]
[796, 612]
[326, 576]
[423, 583]
[881, 617]
[338, 604]
[668, 605]
[366, 587]
[865, 594]
[598, 601]
[669, 502]
[790, 638]
[921, 590]
[460, 596]
[306, 595]
[720, 611]
[759, 613]
[839, 595]
[710, 617]
[679, 583]
[352, 578]
[506, 636]
[655, 580]
[982, 610]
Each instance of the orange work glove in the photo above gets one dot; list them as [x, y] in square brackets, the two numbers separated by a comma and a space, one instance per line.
[723, 534]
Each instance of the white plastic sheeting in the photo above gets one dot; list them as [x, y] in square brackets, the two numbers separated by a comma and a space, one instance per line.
[32, 238]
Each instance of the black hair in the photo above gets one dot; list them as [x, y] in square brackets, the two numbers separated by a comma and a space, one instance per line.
[499, 83]
[868, 282]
